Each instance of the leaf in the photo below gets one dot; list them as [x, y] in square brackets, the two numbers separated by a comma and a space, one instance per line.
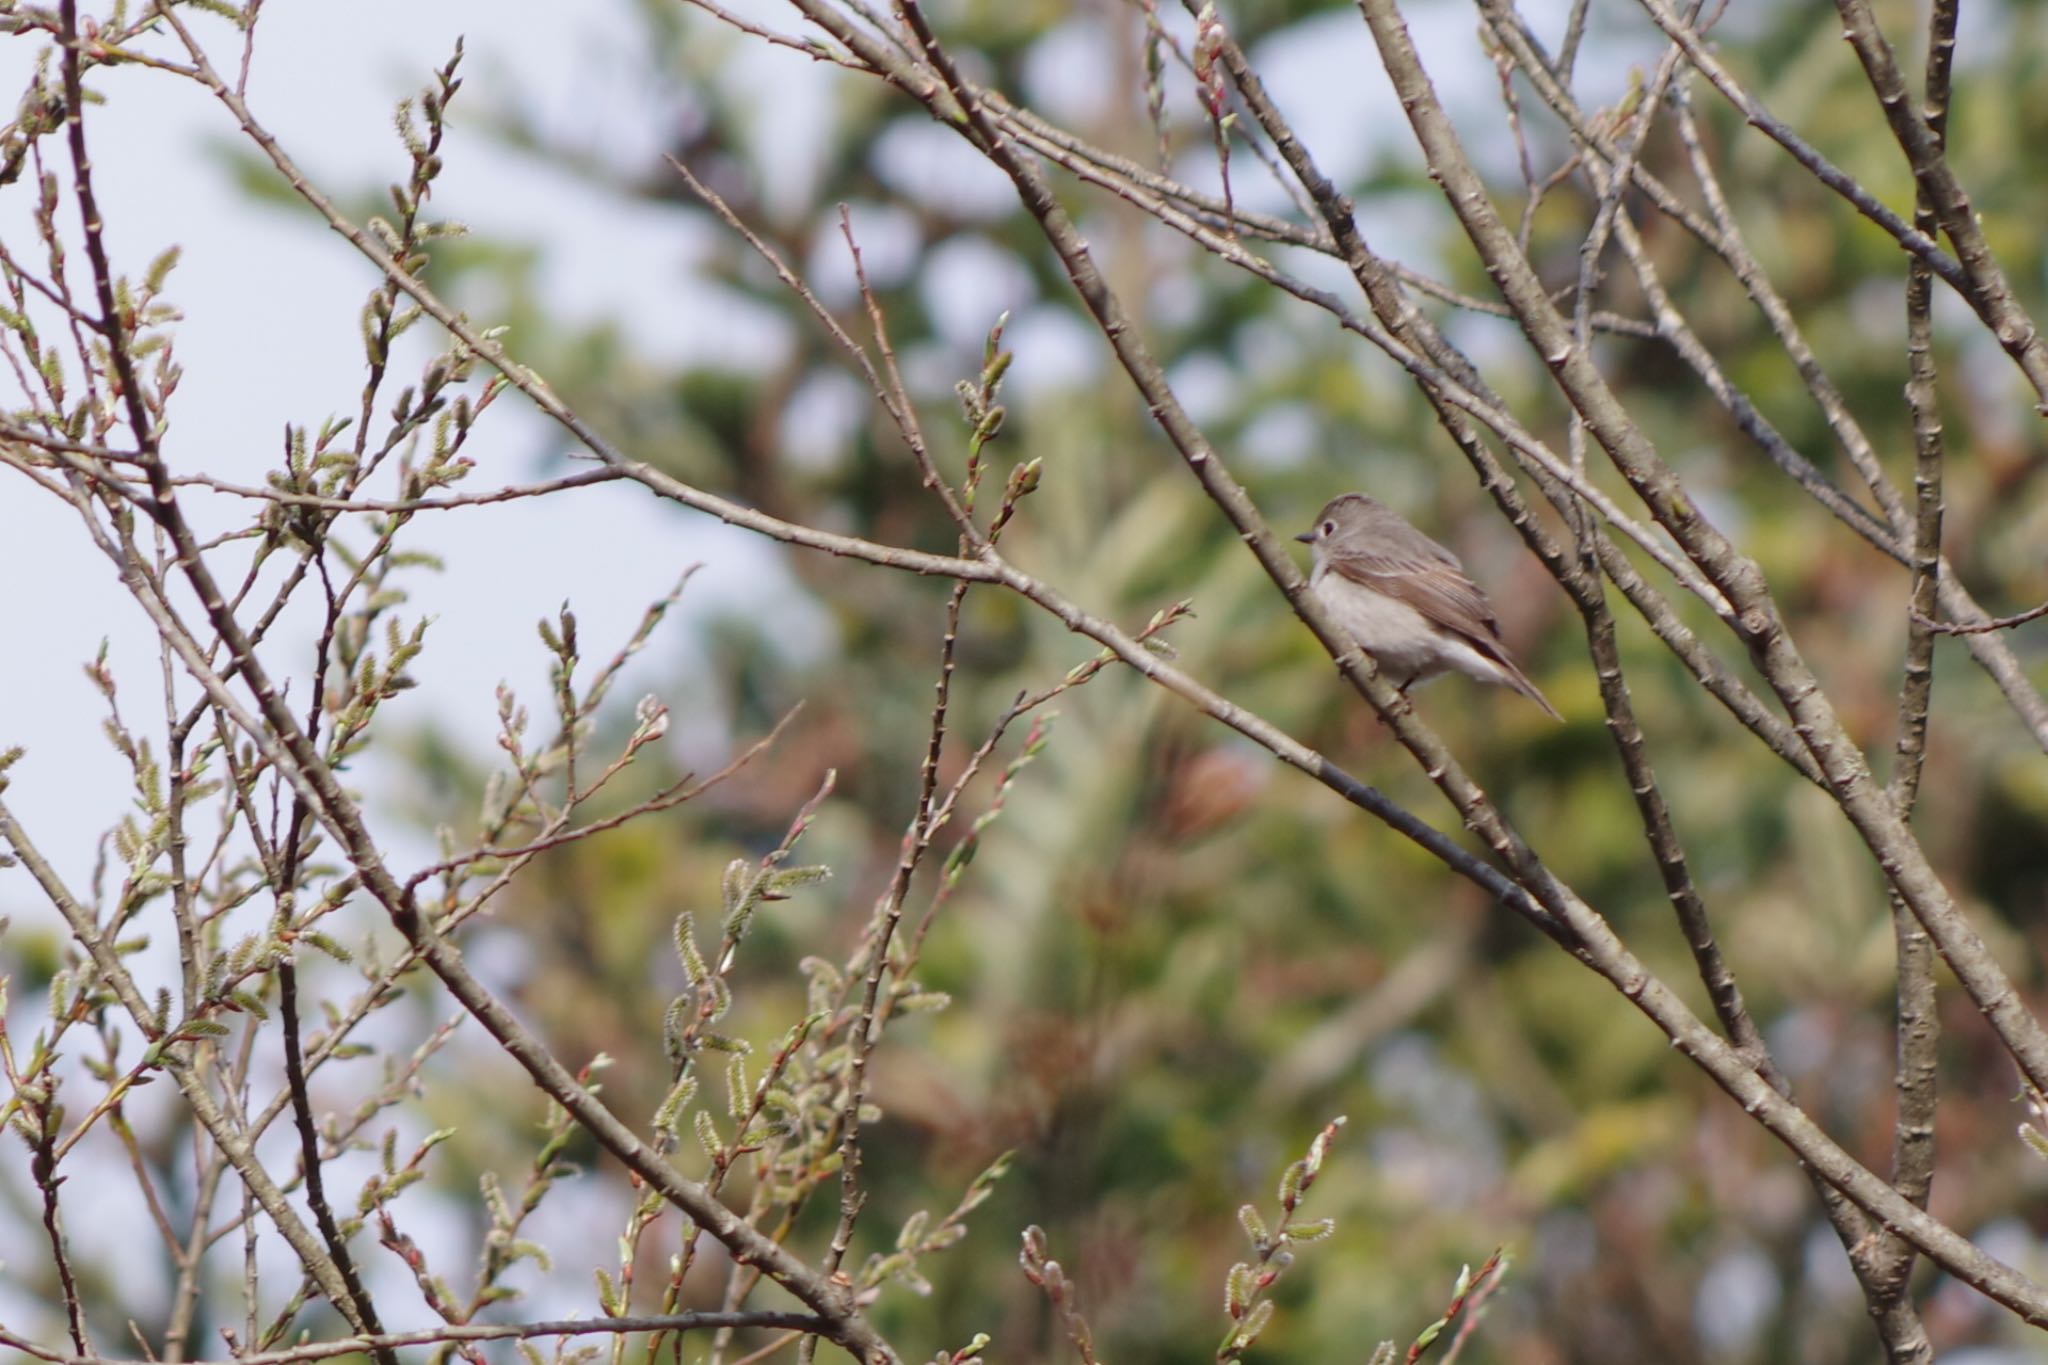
[686, 949]
[737, 883]
[608, 1297]
[790, 879]
[161, 268]
[1253, 1225]
[1237, 1290]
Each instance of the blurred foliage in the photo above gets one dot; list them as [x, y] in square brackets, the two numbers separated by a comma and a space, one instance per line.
[1173, 960]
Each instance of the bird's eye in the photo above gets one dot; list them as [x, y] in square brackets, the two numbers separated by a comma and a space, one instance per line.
[1329, 528]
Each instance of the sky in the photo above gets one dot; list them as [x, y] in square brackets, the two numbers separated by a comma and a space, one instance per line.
[270, 337]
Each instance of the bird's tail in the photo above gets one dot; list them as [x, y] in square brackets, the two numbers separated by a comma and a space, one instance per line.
[1519, 680]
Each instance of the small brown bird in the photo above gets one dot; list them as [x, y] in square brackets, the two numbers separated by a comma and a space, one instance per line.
[1406, 599]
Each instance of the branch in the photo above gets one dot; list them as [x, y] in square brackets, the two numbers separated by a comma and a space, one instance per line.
[1760, 626]
[1589, 937]
[1918, 243]
[407, 506]
[1989, 292]
[1886, 1268]
[1126, 648]
[452, 1333]
[1926, 621]
[240, 1153]
[1724, 237]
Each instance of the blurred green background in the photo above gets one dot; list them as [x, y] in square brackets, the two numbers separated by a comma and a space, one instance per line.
[1174, 959]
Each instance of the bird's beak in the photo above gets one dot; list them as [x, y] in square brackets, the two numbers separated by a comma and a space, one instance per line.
[1307, 537]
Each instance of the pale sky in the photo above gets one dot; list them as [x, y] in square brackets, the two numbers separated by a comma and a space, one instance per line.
[270, 336]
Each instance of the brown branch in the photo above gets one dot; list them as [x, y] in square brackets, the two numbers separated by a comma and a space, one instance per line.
[1914, 241]
[675, 794]
[1590, 938]
[1659, 832]
[896, 398]
[1887, 1266]
[282, 865]
[1990, 294]
[43, 1170]
[451, 1333]
[407, 506]
[1900, 1324]
[1760, 626]
[1724, 237]
[1127, 649]
[1927, 622]
[336, 1280]
[888, 916]
[1649, 994]
[238, 1151]
[314, 1179]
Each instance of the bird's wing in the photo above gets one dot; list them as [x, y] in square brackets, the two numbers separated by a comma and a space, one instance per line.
[1432, 583]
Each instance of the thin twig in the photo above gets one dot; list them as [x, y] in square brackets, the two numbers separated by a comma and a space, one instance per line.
[281, 497]
[449, 1333]
[1761, 627]
[1927, 622]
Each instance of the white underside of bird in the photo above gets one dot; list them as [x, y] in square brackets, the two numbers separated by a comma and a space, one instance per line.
[1408, 647]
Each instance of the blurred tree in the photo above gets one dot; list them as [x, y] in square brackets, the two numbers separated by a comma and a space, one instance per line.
[1177, 959]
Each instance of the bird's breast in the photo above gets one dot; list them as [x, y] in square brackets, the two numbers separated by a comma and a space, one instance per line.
[1401, 639]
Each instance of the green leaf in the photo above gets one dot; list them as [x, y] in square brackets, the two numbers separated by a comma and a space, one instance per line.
[1237, 1290]
[1253, 1225]
[161, 268]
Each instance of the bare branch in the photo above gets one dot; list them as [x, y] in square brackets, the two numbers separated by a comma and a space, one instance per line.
[452, 1333]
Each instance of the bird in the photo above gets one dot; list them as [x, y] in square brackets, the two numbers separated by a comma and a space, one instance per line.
[1406, 599]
